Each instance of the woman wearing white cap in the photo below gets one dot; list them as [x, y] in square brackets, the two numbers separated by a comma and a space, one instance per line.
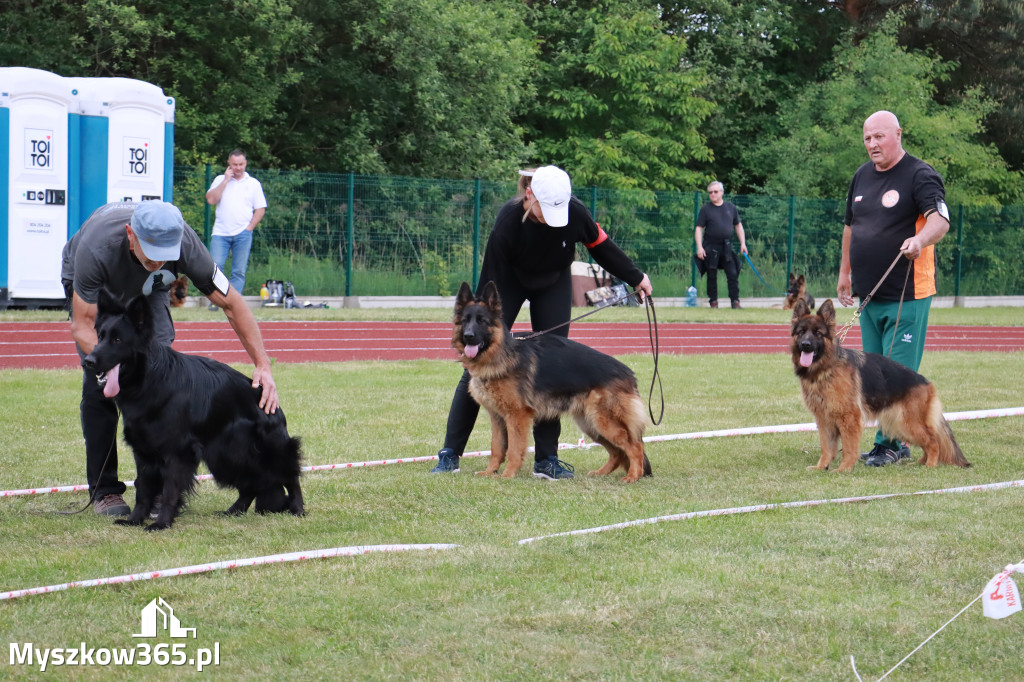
[529, 256]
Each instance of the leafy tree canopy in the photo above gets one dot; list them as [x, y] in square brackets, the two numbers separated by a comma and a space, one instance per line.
[616, 102]
[823, 144]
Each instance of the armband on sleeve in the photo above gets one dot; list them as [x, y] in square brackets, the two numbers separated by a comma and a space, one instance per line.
[941, 207]
[601, 236]
[220, 281]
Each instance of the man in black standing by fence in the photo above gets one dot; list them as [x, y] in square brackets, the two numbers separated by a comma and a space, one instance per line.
[715, 225]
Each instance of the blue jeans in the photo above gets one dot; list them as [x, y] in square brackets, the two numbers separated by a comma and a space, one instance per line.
[239, 245]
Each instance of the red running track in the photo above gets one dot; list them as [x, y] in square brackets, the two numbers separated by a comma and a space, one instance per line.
[48, 345]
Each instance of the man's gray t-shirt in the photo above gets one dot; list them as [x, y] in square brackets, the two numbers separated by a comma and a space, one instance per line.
[98, 257]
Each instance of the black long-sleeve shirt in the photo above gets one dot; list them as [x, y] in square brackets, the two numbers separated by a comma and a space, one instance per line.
[534, 255]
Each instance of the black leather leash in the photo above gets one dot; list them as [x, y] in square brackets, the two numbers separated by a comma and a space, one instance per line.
[652, 332]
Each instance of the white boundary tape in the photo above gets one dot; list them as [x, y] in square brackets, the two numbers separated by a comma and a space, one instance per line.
[221, 565]
[778, 505]
[748, 431]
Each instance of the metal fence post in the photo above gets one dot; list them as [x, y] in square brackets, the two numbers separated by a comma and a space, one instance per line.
[350, 239]
[958, 300]
[207, 209]
[792, 231]
[693, 240]
[476, 233]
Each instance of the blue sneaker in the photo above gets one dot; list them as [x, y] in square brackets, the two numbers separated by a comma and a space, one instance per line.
[552, 469]
[448, 462]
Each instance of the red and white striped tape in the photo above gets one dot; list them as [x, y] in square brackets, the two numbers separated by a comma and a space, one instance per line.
[747, 431]
[777, 505]
[221, 565]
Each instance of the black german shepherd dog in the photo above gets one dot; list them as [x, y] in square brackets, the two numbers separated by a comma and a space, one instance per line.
[181, 409]
[521, 380]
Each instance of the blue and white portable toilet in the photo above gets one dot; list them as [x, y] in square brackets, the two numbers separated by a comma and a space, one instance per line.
[35, 139]
[127, 142]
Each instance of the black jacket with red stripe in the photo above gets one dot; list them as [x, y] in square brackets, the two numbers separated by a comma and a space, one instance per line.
[535, 255]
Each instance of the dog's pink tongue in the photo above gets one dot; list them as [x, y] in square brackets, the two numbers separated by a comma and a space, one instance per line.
[806, 359]
[471, 351]
[112, 388]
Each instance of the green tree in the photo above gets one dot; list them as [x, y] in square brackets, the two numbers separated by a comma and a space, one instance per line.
[225, 63]
[823, 147]
[982, 38]
[410, 87]
[755, 54]
[616, 103]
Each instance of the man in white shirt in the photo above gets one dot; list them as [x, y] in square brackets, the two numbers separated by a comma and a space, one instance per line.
[240, 207]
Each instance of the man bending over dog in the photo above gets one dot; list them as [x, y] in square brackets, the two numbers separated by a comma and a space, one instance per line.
[128, 249]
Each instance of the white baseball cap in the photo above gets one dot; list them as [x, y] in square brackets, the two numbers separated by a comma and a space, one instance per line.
[552, 189]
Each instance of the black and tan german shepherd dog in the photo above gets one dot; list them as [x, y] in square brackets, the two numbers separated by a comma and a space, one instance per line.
[519, 381]
[181, 409]
[841, 386]
[179, 292]
[797, 291]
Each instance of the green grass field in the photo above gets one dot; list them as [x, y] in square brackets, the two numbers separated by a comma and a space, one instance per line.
[783, 594]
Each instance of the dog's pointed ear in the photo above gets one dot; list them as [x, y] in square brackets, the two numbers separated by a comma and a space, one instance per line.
[138, 312]
[465, 295]
[791, 279]
[800, 281]
[106, 301]
[800, 309]
[827, 312]
[491, 297]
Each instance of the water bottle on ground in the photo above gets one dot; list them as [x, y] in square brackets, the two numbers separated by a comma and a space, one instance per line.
[691, 297]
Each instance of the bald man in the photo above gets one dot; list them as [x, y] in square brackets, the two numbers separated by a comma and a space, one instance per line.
[896, 205]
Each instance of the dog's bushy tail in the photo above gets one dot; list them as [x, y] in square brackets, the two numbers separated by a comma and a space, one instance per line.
[949, 449]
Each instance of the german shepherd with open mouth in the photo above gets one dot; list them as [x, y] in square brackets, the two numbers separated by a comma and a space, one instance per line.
[519, 381]
[841, 386]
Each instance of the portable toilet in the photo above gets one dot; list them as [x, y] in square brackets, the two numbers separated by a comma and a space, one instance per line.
[127, 142]
[36, 136]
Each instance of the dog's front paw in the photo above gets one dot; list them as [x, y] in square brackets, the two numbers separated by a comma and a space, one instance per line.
[485, 472]
[817, 468]
[127, 522]
[157, 526]
[232, 511]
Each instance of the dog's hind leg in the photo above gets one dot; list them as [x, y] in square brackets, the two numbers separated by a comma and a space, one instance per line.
[271, 501]
[241, 505]
[296, 505]
[620, 427]
[616, 458]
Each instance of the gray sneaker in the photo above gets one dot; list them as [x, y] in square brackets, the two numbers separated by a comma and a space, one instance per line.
[111, 505]
[552, 469]
[447, 462]
[882, 455]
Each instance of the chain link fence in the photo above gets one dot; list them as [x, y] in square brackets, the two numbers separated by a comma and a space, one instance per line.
[356, 235]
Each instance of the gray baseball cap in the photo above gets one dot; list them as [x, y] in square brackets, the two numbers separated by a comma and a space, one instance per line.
[158, 225]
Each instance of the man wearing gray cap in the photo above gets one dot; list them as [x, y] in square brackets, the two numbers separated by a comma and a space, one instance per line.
[131, 249]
